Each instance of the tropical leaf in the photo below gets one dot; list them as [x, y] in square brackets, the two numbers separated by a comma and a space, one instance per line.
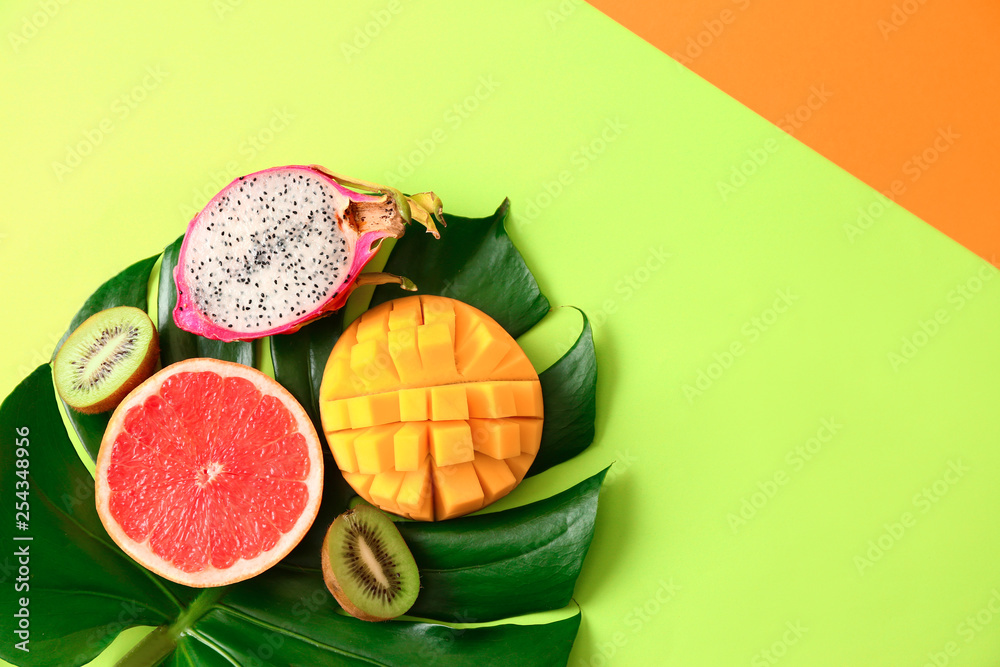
[569, 388]
[128, 288]
[82, 589]
[490, 566]
[474, 261]
[296, 616]
[478, 568]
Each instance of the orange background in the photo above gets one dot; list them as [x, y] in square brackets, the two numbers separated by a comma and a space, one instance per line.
[903, 94]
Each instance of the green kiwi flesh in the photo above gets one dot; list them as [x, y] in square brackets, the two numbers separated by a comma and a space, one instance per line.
[368, 567]
[105, 358]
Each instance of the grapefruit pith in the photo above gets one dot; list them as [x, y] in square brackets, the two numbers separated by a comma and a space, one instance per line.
[209, 473]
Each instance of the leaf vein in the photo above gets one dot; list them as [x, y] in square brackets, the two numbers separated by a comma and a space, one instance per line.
[303, 638]
[204, 639]
[522, 554]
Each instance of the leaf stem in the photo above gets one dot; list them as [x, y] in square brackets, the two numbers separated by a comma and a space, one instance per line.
[151, 651]
[162, 641]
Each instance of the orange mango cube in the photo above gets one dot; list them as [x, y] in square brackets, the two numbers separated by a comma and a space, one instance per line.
[430, 408]
[410, 444]
[495, 477]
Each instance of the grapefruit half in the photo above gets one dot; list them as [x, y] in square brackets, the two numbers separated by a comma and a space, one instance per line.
[209, 473]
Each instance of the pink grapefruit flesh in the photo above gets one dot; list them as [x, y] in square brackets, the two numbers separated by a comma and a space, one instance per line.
[209, 473]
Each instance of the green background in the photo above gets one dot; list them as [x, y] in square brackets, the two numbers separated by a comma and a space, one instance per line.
[613, 156]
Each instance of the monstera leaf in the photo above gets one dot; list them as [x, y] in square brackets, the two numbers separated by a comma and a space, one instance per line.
[479, 573]
[128, 288]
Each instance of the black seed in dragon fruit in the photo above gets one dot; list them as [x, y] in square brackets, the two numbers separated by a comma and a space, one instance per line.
[279, 248]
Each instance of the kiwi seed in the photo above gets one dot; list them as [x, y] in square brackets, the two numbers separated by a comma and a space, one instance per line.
[368, 567]
[105, 358]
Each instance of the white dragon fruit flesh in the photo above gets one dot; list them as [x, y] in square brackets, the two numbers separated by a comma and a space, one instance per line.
[278, 248]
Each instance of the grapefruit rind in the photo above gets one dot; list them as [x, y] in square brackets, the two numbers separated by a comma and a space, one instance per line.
[242, 569]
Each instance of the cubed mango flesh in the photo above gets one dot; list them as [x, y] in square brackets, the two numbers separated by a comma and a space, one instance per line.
[373, 366]
[430, 408]
[342, 446]
[335, 414]
[448, 401]
[481, 352]
[385, 487]
[375, 449]
[531, 433]
[372, 325]
[373, 410]
[495, 477]
[491, 399]
[437, 352]
[405, 355]
[410, 444]
[405, 313]
[414, 404]
[499, 438]
[415, 495]
[360, 483]
[456, 490]
[450, 442]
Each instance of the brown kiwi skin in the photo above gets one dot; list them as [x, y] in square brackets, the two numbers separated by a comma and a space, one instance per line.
[142, 372]
[334, 586]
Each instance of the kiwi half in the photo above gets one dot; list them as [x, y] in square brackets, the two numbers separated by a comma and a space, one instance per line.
[105, 358]
[368, 567]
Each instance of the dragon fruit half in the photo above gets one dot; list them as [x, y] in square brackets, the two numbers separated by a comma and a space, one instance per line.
[278, 248]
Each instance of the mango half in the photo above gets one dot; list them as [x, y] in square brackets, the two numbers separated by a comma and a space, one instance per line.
[431, 409]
